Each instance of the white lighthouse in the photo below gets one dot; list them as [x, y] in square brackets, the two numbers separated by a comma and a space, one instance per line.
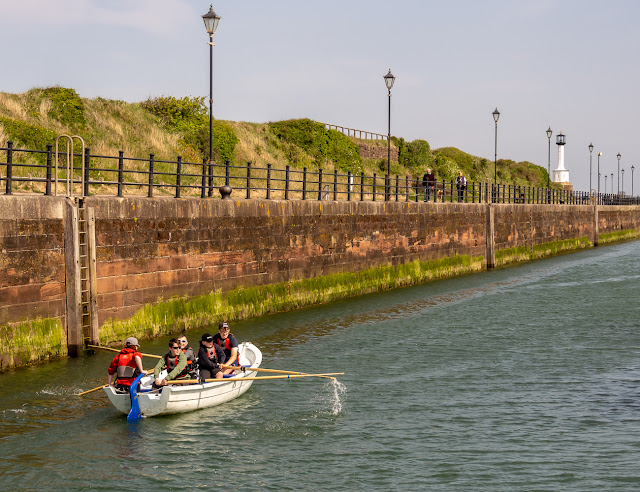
[560, 174]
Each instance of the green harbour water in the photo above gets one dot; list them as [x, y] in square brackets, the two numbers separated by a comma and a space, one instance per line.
[516, 379]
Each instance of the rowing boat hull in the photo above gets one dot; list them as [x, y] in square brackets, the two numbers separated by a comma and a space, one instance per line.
[189, 397]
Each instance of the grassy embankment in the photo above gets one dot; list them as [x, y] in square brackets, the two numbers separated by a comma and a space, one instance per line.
[168, 127]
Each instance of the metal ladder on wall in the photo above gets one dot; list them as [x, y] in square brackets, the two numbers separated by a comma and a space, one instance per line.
[87, 257]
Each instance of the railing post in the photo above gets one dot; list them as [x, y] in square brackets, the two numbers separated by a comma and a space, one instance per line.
[335, 185]
[304, 183]
[210, 193]
[268, 181]
[120, 171]
[178, 172]
[320, 184]
[203, 183]
[286, 182]
[373, 187]
[47, 189]
[227, 170]
[349, 178]
[397, 181]
[362, 187]
[248, 180]
[86, 172]
[9, 167]
[150, 192]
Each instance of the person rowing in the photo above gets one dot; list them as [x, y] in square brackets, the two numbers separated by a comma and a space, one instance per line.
[126, 366]
[191, 356]
[229, 344]
[174, 362]
[210, 357]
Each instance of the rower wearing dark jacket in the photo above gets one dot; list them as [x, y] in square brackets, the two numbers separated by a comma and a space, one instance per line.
[127, 365]
[210, 356]
[228, 342]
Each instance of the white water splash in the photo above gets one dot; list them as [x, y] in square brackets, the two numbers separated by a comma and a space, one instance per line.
[338, 389]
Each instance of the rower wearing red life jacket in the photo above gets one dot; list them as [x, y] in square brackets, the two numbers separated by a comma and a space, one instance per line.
[127, 365]
[229, 344]
[174, 361]
[191, 356]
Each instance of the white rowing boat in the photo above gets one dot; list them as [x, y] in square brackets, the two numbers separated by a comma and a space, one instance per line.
[187, 397]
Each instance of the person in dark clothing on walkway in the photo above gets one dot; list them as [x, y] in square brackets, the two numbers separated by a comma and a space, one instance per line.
[428, 183]
[461, 184]
[210, 357]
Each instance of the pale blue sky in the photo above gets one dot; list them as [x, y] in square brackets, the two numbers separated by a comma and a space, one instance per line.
[568, 64]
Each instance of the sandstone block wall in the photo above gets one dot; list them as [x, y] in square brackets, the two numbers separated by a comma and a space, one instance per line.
[32, 283]
[149, 250]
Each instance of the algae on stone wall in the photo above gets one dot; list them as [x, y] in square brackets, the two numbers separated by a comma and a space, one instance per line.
[180, 314]
[31, 341]
[613, 237]
[525, 253]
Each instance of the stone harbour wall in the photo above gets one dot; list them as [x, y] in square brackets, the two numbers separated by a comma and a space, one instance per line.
[165, 264]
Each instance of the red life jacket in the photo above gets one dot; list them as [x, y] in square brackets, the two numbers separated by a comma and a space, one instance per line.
[126, 368]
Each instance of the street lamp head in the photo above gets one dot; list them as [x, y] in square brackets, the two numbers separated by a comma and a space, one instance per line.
[389, 79]
[211, 20]
[632, 168]
[622, 171]
[618, 156]
[549, 133]
[590, 147]
[496, 115]
[599, 154]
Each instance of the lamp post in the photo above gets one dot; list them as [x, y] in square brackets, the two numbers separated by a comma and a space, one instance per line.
[612, 183]
[389, 79]
[632, 168]
[496, 115]
[618, 156]
[549, 133]
[623, 181]
[599, 154]
[605, 184]
[590, 156]
[211, 20]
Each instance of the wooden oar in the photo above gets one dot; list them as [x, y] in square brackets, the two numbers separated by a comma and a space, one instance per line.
[288, 376]
[276, 371]
[92, 390]
[148, 371]
[118, 350]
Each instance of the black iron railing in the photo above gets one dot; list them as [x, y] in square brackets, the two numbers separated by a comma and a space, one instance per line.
[34, 171]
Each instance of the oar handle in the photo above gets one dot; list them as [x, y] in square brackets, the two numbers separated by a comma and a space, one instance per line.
[117, 350]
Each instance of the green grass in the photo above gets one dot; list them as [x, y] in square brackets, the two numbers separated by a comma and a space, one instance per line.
[168, 127]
